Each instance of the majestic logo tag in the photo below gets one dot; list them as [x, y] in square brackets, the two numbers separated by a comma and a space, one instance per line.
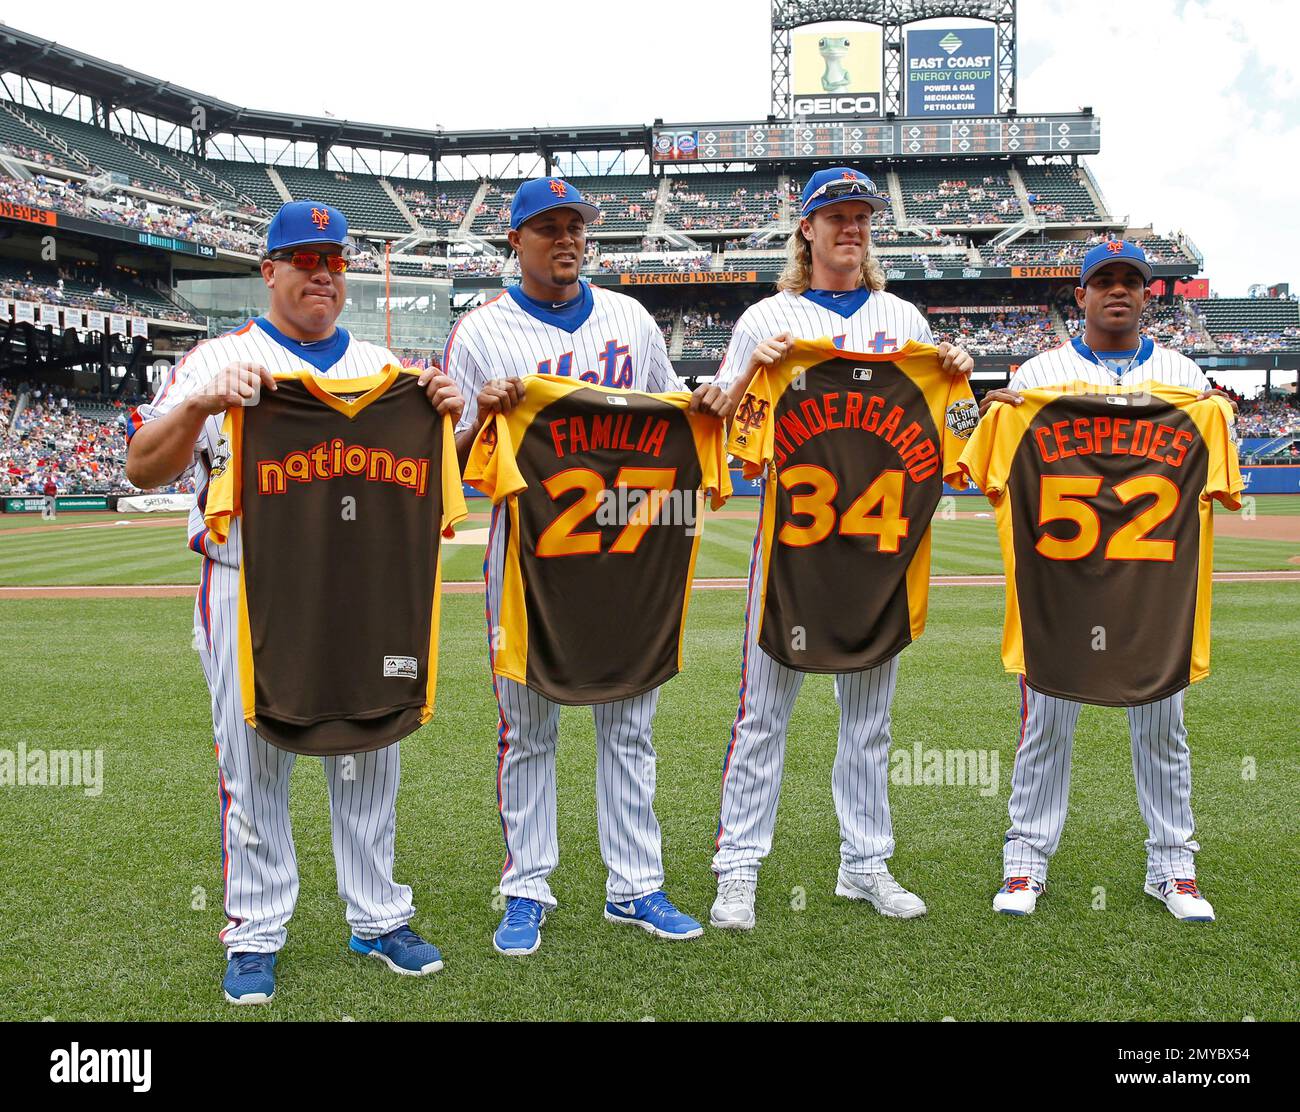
[321, 218]
[401, 667]
[961, 418]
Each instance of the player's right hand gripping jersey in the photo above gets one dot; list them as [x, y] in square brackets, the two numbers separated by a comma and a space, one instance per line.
[605, 514]
[1104, 512]
[855, 448]
[342, 500]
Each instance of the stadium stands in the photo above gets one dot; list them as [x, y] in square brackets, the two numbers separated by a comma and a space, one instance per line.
[79, 287]
[1057, 194]
[359, 197]
[26, 143]
[1251, 323]
[723, 202]
[493, 215]
[251, 180]
[108, 151]
[626, 203]
[438, 206]
[707, 330]
[989, 330]
[977, 193]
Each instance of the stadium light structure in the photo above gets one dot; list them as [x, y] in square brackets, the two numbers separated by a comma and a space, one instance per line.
[891, 16]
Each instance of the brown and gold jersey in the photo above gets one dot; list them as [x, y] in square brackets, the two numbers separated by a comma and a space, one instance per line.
[1104, 512]
[602, 523]
[854, 448]
[342, 487]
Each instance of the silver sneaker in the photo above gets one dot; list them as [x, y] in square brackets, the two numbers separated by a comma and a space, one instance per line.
[733, 910]
[883, 892]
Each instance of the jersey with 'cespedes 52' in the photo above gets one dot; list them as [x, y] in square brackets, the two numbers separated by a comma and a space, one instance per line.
[343, 487]
[1104, 509]
[854, 448]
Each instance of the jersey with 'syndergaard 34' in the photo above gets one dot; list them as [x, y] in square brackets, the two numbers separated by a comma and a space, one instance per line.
[1105, 516]
[604, 490]
[248, 344]
[855, 448]
[611, 341]
[343, 488]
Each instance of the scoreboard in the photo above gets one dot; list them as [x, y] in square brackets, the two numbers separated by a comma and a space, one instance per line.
[904, 138]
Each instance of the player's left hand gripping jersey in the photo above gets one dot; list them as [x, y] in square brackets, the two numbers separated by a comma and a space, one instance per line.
[343, 487]
[604, 519]
[855, 449]
[1104, 512]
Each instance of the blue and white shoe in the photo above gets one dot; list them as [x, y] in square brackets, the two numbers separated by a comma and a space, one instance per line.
[656, 914]
[402, 950]
[250, 978]
[520, 930]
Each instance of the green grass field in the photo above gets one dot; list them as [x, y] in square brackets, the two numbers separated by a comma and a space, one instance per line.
[111, 904]
[100, 550]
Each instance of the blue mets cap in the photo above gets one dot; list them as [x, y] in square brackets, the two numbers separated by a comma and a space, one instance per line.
[1115, 251]
[840, 183]
[542, 194]
[301, 222]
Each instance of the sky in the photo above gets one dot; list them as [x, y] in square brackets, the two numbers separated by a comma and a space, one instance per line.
[1199, 100]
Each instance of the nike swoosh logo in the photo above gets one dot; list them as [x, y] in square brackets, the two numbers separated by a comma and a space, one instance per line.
[626, 910]
[558, 304]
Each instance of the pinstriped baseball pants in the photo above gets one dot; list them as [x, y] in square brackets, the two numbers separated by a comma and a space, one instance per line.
[1040, 784]
[259, 864]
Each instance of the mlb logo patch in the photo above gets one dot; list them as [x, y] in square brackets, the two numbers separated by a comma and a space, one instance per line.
[614, 399]
[861, 374]
[1112, 399]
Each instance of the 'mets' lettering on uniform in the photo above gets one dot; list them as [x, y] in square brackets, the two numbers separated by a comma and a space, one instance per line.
[623, 432]
[333, 459]
[1113, 436]
[853, 410]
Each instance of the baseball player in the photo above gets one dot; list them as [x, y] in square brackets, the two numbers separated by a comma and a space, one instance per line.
[552, 322]
[303, 268]
[832, 287]
[1112, 294]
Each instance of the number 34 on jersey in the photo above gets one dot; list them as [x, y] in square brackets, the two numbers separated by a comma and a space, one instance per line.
[854, 449]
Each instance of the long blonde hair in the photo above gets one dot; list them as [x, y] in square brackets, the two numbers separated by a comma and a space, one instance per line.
[797, 275]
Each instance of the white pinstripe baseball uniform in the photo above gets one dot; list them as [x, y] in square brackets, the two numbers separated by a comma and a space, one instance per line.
[1040, 782]
[259, 864]
[610, 339]
[755, 760]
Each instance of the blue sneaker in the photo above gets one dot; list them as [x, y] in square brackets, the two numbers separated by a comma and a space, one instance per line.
[520, 931]
[656, 914]
[402, 950]
[250, 978]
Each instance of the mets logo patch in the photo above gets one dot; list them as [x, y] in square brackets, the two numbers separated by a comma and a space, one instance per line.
[320, 218]
[961, 418]
[751, 413]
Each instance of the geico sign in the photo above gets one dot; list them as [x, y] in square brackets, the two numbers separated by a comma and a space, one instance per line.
[865, 105]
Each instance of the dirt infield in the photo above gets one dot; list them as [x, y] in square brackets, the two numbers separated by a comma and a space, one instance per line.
[473, 587]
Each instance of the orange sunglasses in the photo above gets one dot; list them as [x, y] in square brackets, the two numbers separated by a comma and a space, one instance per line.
[310, 260]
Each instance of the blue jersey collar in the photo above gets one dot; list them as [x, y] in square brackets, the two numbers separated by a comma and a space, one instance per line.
[320, 354]
[568, 316]
[843, 302]
[1144, 351]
